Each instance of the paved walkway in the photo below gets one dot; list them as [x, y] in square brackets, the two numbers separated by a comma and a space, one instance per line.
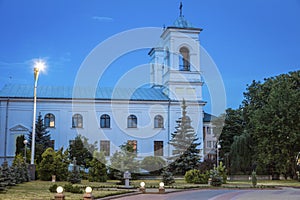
[222, 194]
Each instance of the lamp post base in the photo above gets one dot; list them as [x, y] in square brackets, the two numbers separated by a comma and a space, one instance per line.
[31, 168]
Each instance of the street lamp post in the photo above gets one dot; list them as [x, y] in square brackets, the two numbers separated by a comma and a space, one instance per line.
[25, 146]
[38, 66]
[218, 147]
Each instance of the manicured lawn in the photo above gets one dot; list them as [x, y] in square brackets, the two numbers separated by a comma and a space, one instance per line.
[39, 190]
[275, 183]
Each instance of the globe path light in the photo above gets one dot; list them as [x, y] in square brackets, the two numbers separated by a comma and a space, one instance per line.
[88, 194]
[142, 187]
[59, 195]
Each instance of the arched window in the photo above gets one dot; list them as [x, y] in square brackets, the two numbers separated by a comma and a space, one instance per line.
[188, 120]
[77, 121]
[158, 121]
[105, 121]
[131, 121]
[49, 120]
[167, 57]
[184, 60]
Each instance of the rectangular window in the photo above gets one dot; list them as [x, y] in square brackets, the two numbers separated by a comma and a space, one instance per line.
[208, 144]
[105, 147]
[214, 144]
[134, 145]
[208, 130]
[158, 148]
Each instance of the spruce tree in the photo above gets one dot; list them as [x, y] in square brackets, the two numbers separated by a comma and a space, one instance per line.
[98, 170]
[3, 183]
[7, 174]
[77, 149]
[20, 145]
[20, 169]
[184, 140]
[74, 176]
[42, 139]
[167, 176]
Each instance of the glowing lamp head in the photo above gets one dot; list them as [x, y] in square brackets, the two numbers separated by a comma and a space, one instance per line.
[142, 184]
[25, 142]
[161, 184]
[59, 189]
[88, 190]
[39, 65]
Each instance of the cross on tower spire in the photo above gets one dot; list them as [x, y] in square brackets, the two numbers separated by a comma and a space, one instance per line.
[180, 9]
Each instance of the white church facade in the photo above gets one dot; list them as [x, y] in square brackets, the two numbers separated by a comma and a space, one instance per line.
[144, 117]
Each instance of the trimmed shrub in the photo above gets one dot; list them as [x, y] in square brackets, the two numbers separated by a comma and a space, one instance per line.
[196, 177]
[52, 188]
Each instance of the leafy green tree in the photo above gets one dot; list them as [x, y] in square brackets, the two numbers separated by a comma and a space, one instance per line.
[241, 154]
[98, 170]
[184, 140]
[233, 126]
[153, 164]
[42, 139]
[271, 113]
[79, 151]
[124, 160]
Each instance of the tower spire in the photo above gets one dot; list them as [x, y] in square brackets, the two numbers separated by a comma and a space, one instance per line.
[180, 9]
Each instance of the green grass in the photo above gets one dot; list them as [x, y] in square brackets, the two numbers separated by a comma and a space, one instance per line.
[39, 190]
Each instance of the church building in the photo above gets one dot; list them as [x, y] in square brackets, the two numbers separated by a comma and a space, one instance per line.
[146, 119]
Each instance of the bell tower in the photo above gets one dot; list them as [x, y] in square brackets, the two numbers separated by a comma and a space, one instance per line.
[175, 65]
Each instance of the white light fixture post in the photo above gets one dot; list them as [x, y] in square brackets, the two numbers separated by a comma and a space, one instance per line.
[218, 147]
[38, 66]
[25, 146]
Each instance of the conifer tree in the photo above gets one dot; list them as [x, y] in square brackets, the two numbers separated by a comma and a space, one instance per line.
[184, 140]
[3, 183]
[78, 149]
[7, 174]
[20, 169]
[20, 145]
[42, 139]
[98, 170]
[74, 176]
[167, 176]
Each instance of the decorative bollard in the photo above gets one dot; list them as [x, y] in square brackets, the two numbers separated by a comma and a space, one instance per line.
[161, 188]
[53, 178]
[127, 176]
[88, 194]
[142, 188]
[59, 195]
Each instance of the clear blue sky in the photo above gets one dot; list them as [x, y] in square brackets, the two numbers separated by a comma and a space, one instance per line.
[247, 39]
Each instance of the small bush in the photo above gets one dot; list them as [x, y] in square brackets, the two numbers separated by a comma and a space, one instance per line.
[73, 189]
[52, 188]
[216, 181]
[216, 178]
[194, 176]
